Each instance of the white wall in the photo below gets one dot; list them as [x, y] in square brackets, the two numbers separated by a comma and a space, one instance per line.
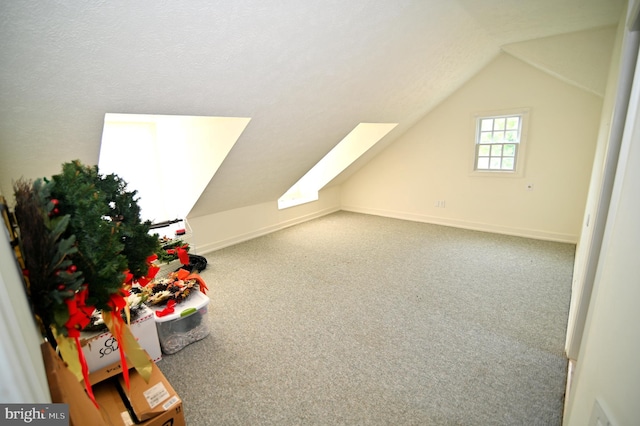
[607, 370]
[433, 160]
[618, 88]
[218, 230]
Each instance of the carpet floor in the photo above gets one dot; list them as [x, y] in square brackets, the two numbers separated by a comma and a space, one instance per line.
[353, 319]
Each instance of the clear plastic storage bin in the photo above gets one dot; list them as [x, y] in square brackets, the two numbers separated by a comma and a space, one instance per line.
[187, 324]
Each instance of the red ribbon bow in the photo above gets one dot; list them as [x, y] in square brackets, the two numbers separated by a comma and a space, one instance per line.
[79, 313]
[183, 255]
[151, 273]
[184, 275]
[168, 310]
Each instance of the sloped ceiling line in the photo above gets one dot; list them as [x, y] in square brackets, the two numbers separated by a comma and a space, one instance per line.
[305, 72]
[581, 58]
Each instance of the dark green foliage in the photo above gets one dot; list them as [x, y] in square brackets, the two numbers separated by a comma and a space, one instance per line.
[80, 228]
[106, 218]
[168, 253]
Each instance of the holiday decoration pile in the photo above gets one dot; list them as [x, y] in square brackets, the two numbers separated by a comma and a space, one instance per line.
[82, 246]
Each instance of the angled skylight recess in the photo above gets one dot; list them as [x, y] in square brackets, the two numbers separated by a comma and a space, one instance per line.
[356, 143]
[168, 159]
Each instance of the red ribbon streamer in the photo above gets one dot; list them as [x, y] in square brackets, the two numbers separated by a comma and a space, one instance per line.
[79, 318]
[117, 302]
[168, 310]
[85, 372]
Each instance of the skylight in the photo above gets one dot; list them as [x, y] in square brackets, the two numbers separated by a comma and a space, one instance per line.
[356, 143]
[168, 159]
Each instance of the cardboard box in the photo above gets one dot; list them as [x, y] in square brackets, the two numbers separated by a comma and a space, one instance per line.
[116, 408]
[148, 400]
[101, 348]
[116, 412]
[65, 389]
[186, 325]
[108, 372]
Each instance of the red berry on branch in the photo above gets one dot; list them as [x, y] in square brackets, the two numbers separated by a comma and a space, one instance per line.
[55, 210]
[55, 201]
[71, 269]
[61, 287]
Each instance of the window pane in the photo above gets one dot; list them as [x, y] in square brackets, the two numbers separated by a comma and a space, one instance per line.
[486, 124]
[507, 163]
[513, 123]
[511, 136]
[498, 142]
[485, 137]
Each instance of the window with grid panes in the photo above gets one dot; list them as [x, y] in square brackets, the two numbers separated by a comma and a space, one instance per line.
[497, 142]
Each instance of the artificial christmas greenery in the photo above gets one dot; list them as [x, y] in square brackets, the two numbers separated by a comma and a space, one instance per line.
[170, 248]
[82, 239]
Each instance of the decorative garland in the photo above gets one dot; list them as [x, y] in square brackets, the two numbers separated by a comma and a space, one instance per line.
[174, 289]
[173, 249]
[177, 286]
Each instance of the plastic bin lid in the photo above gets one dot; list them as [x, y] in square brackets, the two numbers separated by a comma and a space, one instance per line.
[194, 303]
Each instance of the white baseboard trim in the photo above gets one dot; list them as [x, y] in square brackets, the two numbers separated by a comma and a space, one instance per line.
[255, 233]
[475, 226]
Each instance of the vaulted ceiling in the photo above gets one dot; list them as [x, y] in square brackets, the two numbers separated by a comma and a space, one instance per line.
[305, 72]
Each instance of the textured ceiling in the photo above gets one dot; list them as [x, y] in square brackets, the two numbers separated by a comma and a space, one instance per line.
[306, 72]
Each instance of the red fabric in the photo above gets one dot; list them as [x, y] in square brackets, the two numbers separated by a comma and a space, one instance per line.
[79, 313]
[184, 275]
[128, 277]
[85, 372]
[183, 255]
[151, 272]
[168, 310]
[117, 302]
[201, 283]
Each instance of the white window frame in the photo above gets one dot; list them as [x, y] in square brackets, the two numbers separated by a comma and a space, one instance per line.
[520, 162]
